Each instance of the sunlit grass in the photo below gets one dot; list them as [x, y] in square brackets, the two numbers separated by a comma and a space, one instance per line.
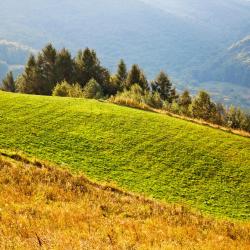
[43, 207]
[152, 154]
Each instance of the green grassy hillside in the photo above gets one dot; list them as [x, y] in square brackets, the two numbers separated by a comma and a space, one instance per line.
[160, 156]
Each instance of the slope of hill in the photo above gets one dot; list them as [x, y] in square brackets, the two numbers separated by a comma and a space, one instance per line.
[232, 66]
[156, 35]
[86, 215]
[144, 152]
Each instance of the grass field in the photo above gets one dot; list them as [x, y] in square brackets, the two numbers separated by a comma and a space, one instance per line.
[153, 154]
[86, 215]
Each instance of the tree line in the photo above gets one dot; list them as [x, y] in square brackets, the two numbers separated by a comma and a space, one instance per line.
[56, 72]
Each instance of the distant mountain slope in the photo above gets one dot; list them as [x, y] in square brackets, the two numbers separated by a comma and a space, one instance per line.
[157, 155]
[116, 29]
[157, 38]
[232, 66]
[224, 19]
[182, 37]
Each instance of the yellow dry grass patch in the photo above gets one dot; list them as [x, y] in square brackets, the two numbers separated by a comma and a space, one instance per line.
[43, 207]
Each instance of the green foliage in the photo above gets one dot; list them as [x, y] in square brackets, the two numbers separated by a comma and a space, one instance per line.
[203, 107]
[64, 66]
[153, 154]
[121, 75]
[185, 101]
[43, 72]
[62, 89]
[136, 76]
[93, 90]
[47, 65]
[65, 89]
[153, 100]
[32, 80]
[236, 118]
[163, 85]
[138, 98]
[9, 83]
[89, 67]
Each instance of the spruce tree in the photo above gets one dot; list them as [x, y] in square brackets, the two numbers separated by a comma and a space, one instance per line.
[9, 83]
[184, 102]
[30, 81]
[143, 82]
[174, 96]
[136, 76]
[47, 65]
[88, 66]
[121, 75]
[64, 66]
[203, 107]
[163, 85]
[133, 76]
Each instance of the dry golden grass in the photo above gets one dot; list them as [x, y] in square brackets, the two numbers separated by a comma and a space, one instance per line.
[43, 207]
[129, 102]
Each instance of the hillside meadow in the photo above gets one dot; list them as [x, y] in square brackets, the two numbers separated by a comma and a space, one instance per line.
[161, 157]
[87, 215]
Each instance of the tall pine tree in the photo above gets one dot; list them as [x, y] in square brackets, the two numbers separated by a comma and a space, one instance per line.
[163, 85]
[47, 65]
[121, 74]
[64, 66]
[9, 83]
[136, 76]
[31, 81]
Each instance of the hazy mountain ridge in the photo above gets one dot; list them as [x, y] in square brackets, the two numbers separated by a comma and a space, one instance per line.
[232, 66]
[181, 37]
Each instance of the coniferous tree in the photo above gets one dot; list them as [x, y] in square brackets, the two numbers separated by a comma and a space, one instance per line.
[173, 95]
[136, 76]
[143, 82]
[133, 76]
[31, 81]
[184, 102]
[88, 66]
[119, 79]
[9, 83]
[236, 118]
[64, 66]
[122, 71]
[47, 65]
[203, 107]
[220, 116]
[163, 85]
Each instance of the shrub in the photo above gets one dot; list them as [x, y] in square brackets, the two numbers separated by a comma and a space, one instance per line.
[134, 97]
[93, 90]
[62, 89]
[153, 99]
[76, 91]
[67, 90]
[203, 107]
